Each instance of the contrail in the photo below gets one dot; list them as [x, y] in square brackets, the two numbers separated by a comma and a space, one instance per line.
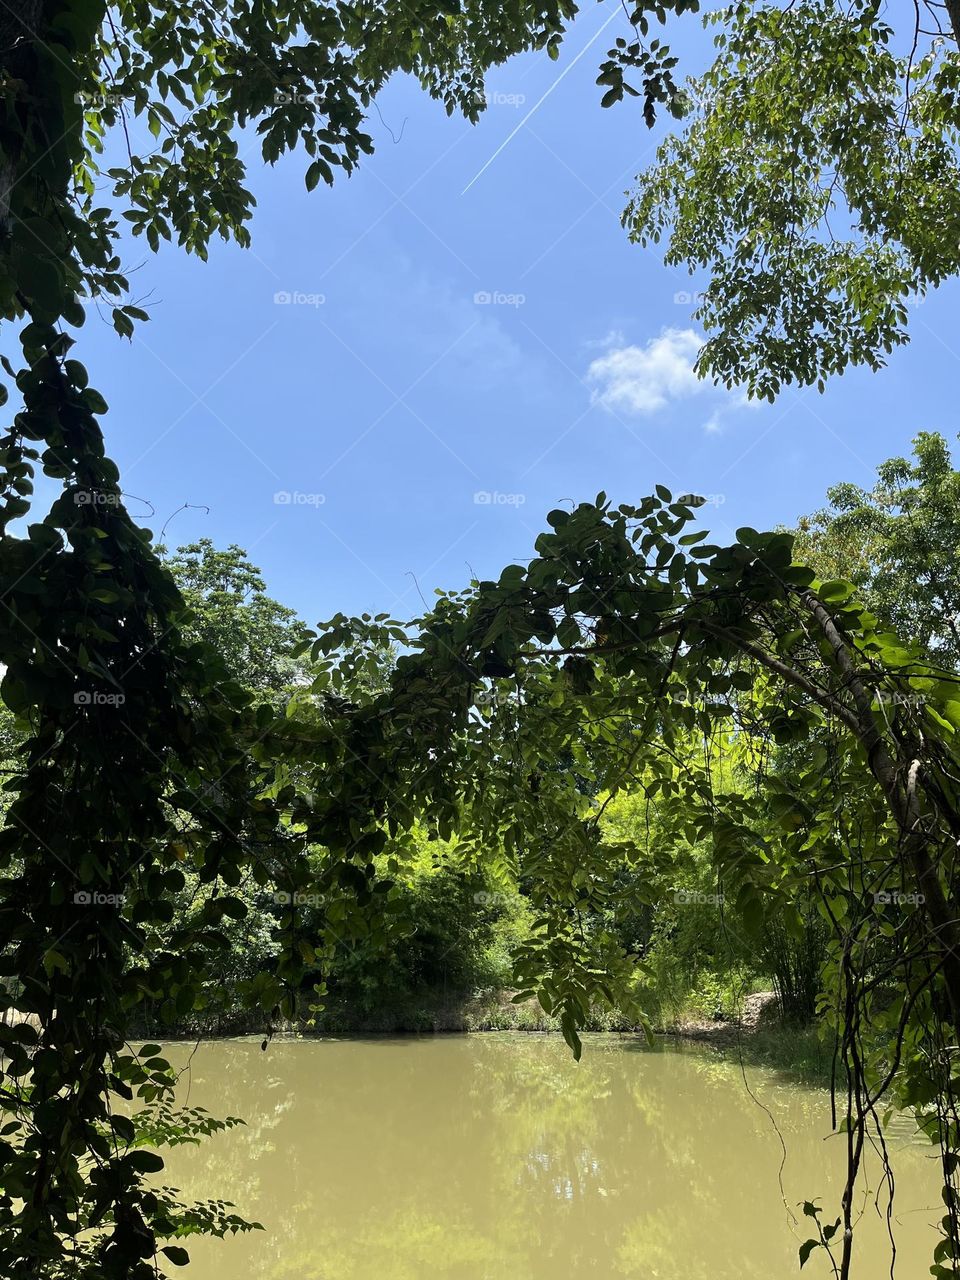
[540, 102]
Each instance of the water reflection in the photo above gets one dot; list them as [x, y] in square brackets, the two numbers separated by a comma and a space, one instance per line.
[496, 1157]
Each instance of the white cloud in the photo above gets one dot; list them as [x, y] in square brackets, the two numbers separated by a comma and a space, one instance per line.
[615, 338]
[713, 425]
[641, 381]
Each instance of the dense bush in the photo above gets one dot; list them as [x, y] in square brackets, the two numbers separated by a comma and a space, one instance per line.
[451, 936]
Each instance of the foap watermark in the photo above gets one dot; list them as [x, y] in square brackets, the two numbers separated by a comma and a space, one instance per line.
[684, 298]
[297, 298]
[493, 498]
[702, 499]
[486, 898]
[912, 701]
[492, 697]
[694, 898]
[283, 899]
[95, 698]
[97, 101]
[691, 97]
[96, 498]
[294, 498]
[296, 97]
[892, 898]
[94, 898]
[497, 98]
[497, 298]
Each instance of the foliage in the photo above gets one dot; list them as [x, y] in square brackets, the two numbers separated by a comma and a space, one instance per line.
[899, 543]
[795, 960]
[451, 932]
[650, 58]
[233, 614]
[180, 80]
[816, 181]
[693, 957]
[297, 75]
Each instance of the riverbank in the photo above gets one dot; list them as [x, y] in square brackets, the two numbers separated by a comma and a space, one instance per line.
[756, 1037]
[490, 1011]
[798, 1052]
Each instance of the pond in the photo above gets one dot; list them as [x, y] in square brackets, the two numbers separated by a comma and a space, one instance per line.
[497, 1157]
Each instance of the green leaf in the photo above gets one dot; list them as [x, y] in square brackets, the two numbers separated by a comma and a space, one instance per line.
[806, 1249]
[93, 400]
[835, 591]
[319, 169]
[144, 1161]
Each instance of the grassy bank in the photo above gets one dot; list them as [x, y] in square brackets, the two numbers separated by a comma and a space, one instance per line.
[798, 1052]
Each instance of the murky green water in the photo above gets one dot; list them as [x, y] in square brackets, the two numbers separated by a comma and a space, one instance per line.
[496, 1157]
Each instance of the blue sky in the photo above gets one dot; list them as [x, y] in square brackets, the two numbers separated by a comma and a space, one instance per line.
[422, 432]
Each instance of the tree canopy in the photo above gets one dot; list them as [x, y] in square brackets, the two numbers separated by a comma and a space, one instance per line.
[232, 613]
[898, 543]
[816, 184]
[628, 651]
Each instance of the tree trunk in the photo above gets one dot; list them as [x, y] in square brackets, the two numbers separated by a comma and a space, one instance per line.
[899, 782]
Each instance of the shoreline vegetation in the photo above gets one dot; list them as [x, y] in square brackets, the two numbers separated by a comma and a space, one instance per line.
[756, 1036]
